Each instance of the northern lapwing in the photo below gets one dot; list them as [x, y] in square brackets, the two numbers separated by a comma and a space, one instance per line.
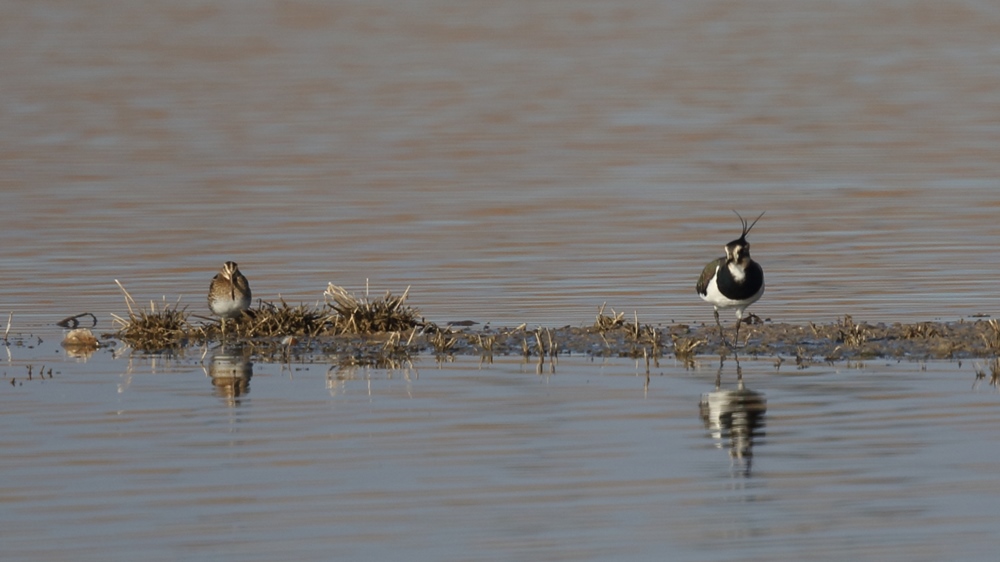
[733, 281]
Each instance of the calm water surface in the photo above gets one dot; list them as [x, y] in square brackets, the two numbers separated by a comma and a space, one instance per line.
[160, 459]
[511, 162]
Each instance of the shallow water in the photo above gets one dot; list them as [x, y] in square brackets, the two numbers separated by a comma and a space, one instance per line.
[511, 162]
[156, 459]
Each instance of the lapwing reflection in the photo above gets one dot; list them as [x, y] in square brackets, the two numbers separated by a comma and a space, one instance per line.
[231, 372]
[734, 415]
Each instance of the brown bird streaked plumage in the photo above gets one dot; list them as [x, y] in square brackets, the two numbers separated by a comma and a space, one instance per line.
[229, 293]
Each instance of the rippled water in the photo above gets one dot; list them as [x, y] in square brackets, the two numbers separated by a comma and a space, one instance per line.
[511, 162]
[163, 459]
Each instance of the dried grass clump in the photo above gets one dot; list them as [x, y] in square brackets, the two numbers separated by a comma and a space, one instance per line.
[272, 320]
[919, 331]
[991, 336]
[851, 334]
[605, 323]
[684, 348]
[152, 330]
[285, 320]
[365, 316]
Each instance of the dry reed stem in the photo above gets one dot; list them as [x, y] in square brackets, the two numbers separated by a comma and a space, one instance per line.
[129, 301]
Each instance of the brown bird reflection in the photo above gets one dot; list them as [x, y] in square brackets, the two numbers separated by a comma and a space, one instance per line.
[231, 372]
[734, 415]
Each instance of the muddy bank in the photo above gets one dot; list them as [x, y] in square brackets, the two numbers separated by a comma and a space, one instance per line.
[843, 340]
[374, 330]
[826, 342]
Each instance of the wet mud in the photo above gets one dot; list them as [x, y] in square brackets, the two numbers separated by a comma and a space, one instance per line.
[809, 343]
[843, 340]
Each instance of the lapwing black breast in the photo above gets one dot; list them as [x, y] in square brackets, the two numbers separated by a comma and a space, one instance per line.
[735, 281]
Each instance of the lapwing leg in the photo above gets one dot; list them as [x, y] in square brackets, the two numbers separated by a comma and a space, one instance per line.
[736, 340]
[722, 332]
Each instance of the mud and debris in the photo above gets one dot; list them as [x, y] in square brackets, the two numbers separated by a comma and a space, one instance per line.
[806, 343]
[383, 329]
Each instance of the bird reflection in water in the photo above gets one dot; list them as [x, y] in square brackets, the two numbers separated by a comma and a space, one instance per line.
[734, 415]
[231, 371]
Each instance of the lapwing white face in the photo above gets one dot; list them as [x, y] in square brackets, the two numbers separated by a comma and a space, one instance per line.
[738, 252]
[737, 259]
